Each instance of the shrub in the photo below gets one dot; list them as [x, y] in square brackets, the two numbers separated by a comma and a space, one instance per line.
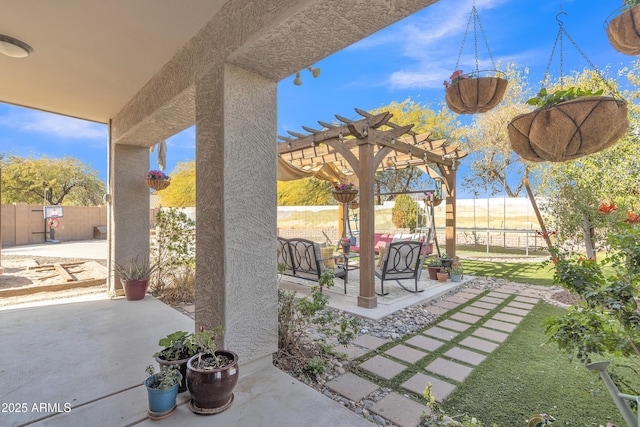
[403, 214]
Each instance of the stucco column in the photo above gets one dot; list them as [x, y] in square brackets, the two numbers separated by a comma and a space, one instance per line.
[236, 210]
[129, 219]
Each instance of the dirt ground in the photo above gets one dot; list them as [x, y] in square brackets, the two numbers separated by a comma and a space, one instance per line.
[28, 278]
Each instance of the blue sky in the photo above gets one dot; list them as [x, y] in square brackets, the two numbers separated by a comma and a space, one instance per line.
[409, 59]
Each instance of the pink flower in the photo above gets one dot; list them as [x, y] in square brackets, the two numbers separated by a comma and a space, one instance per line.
[456, 74]
[446, 84]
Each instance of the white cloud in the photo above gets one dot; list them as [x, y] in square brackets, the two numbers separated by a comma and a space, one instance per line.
[52, 124]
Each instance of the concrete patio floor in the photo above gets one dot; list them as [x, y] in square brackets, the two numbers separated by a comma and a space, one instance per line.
[88, 358]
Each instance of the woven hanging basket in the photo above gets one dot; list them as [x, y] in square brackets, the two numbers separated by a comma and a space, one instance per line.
[158, 184]
[355, 204]
[475, 95]
[569, 130]
[624, 32]
[344, 196]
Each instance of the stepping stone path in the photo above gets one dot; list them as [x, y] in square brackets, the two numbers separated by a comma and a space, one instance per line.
[447, 351]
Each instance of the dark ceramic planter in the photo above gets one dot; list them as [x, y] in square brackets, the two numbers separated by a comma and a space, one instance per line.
[135, 289]
[212, 389]
[446, 262]
[182, 365]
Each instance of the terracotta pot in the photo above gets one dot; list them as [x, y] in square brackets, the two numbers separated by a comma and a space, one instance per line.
[569, 130]
[135, 289]
[212, 389]
[345, 196]
[442, 277]
[475, 95]
[433, 272]
[623, 32]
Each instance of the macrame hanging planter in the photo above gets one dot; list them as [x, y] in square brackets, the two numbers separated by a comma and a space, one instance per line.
[473, 92]
[623, 31]
[567, 130]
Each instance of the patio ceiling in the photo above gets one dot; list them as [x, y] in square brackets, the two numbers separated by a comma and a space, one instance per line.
[91, 57]
[334, 142]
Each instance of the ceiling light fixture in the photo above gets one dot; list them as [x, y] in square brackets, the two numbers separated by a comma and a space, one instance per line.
[297, 81]
[315, 72]
[14, 48]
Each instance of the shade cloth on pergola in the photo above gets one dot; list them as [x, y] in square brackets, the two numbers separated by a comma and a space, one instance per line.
[361, 148]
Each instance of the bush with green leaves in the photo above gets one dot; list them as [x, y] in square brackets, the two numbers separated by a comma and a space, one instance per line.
[436, 416]
[545, 99]
[607, 321]
[173, 250]
[404, 212]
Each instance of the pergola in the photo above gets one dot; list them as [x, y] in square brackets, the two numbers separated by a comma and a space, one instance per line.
[359, 147]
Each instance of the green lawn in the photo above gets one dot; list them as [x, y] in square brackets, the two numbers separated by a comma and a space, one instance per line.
[526, 375]
[535, 273]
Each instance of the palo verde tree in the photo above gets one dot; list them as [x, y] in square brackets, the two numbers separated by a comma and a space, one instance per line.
[404, 212]
[182, 191]
[53, 181]
[305, 192]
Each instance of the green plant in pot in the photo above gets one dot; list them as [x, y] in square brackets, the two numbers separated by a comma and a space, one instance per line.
[212, 375]
[162, 390]
[446, 260]
[433, 267]
[443, 274]
[134, 276]
[178, 348]
[456, 270]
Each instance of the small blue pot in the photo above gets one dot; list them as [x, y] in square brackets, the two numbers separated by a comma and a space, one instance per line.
[161, 402]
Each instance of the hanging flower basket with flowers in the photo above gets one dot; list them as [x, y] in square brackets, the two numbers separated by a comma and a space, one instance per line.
[157, 180]
[471, 94]
[623, 31]
[344, 193]
[568, 123]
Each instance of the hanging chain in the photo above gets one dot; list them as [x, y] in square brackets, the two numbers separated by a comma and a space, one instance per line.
[476, 23]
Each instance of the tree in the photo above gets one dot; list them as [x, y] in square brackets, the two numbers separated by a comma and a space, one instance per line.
[441, 124]
[305, 192]
[182, 191]
[492, 160]
[404, 212]
[54, 181]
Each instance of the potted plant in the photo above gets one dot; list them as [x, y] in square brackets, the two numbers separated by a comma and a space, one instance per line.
[456, 270]
[621, 30]
[177, 348]
[443, 274]
[134, 276]
[162, 390]
[433, 266]
[344, 193]
[567, 124]
[211, 375]
[157, 180]
[471, 93]
[346, 245]
[446, 260]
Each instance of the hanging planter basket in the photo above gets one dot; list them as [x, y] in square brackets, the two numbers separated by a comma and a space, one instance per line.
[623, 31]
[158, 184]
[569, 130]
[475, 95]
[344, 196]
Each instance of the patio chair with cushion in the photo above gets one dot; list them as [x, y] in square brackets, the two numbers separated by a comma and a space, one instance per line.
[304, 259]
[402, 260]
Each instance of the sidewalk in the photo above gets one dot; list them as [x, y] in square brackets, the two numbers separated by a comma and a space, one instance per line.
[84, 249]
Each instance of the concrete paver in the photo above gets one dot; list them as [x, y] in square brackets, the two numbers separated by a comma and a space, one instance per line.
[425, 343]
[352, 386]
[475, 310]
[447, 304]
[485, 305]
[382, 367]
[508, 318]
[516, 311]
[501, 326]
[522, 298]
[439, 389]
[466, 318]
[500, 295]
[352, 351]
[438, 311]
[491, 300]
[448, 369]
[443, 334]
[456, 326]
[369, 341]
[479, 344]
[490, 334]
[408, 354]
[466, 295]
[400, 410]
[455, 299]
[521, 305]
[466, 356]
[473, 291]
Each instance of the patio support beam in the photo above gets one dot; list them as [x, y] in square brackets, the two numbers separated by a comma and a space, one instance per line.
[367, 168]
[129, 219]
[449, 174]
[236, 210]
